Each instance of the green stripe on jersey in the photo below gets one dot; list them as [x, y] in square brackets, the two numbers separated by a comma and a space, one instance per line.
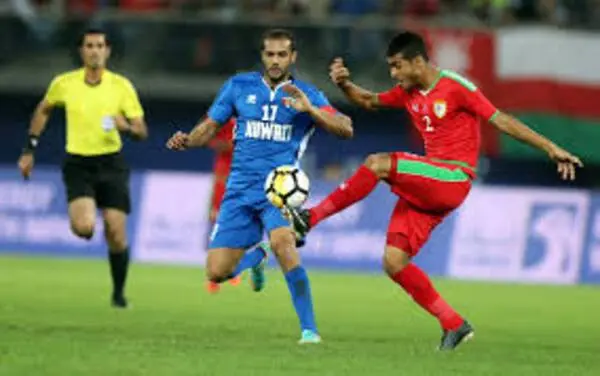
[494, 116]
[456, 163]
[430, 171]
[460, 79]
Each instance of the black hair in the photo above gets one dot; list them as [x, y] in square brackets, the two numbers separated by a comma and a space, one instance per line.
[278, 34]
[409, 44]
[93, 31]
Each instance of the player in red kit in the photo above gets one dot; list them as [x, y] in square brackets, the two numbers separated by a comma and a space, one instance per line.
[222, 144]
[446, 109]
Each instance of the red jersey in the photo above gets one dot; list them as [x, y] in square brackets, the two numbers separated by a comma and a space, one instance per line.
[222, 142]
[446, 115]
[224, 137]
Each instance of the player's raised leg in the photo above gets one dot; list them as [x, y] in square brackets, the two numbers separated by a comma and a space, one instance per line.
[115, 232]
[227, 257]
[238, 228]
[255, 260]
[398, 266]
[211, 287]
[223, 148]
[214, 287]
[356, 188]
[222, 262]
[234, 231]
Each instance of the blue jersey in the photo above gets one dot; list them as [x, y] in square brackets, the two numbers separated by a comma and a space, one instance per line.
[268, 133]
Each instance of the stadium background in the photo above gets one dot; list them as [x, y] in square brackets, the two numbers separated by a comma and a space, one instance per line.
[535, 62]
[535, 58]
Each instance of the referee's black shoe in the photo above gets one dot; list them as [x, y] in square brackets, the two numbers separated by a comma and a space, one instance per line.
[119, 301]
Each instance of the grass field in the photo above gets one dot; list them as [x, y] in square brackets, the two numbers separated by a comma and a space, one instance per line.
[55, 320]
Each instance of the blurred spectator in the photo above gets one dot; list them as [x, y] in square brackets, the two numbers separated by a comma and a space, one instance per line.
[257, 6]
[526, 10]
[594, 14]
[84, 7]
[292, 7]
[550, 11]
[142, 5]
[220, 8]
[583, 12]
[354, 7]
[319, 8]
[492, 11]
[30, 11]
[422, 8]
[298, 7]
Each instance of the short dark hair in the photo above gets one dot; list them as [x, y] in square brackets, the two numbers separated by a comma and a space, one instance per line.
[93, 31]
[278, 34]
[409, 44]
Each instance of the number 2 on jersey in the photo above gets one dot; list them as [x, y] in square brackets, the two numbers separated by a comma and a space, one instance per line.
[269, 112]
[428, 126]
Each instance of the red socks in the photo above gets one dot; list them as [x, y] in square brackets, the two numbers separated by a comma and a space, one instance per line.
[356, 188]
[416, 283]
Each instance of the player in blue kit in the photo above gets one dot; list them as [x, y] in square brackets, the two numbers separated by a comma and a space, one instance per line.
[276, 115]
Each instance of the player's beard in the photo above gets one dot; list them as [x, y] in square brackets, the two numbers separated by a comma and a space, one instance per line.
[277, 75]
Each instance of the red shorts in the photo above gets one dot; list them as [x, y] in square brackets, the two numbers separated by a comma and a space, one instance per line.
[429, 190]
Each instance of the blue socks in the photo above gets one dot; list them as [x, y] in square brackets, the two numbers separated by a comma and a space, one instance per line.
[250, 260]
[299, 287]
[298, 284]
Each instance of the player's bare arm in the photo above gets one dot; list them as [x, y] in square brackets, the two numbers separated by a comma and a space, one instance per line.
[38, 124]
[340, 75]
[136, 128]
[566, 162]
[338, 124]
[198, 137]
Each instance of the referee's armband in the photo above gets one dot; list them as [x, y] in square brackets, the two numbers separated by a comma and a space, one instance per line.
[32, 143]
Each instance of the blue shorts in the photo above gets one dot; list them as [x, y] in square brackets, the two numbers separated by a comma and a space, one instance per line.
[243, 218]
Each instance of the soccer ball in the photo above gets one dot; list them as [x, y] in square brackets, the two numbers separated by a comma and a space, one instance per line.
[287, 186]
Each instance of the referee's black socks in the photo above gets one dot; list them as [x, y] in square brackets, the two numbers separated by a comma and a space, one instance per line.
[119, 264]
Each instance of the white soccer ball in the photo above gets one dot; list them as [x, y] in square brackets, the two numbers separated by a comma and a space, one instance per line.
[287, 186]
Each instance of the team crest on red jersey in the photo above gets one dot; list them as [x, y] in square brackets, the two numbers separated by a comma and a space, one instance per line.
[440, 108]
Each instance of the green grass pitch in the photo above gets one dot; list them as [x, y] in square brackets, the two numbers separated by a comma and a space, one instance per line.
[55, 320]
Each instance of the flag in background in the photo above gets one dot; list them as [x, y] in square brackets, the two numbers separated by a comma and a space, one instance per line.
[546, 77]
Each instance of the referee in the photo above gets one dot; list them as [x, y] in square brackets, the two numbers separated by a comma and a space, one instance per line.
[99, 105]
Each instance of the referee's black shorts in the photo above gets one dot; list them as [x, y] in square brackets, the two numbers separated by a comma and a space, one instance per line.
[104, 178]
